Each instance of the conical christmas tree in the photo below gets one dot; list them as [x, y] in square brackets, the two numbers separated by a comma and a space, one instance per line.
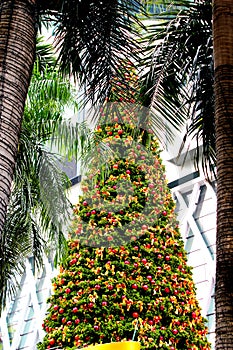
[126, 276]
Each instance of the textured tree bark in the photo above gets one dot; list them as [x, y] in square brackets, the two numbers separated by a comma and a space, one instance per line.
[223, 60]
[17, 51]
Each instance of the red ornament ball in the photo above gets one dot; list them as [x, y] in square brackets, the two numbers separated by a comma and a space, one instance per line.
[145, 287]
[52, 341]
[72, 262]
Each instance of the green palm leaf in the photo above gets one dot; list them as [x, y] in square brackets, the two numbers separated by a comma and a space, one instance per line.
[39, 208]
[44, 55]
[92, 37]
[20, 239]
[179, 75]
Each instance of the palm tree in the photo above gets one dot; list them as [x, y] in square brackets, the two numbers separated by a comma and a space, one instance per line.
[223, 88]
[15, 72]
[193, 74]
[91, 37]
[35, 221]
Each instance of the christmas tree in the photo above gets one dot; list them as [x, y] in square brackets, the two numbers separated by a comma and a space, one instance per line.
[126, 275]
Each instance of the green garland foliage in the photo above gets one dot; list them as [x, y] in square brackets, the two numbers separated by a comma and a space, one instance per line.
[126, 275]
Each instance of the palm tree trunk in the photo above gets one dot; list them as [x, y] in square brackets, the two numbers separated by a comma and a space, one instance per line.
[17, 51]
[223, 59]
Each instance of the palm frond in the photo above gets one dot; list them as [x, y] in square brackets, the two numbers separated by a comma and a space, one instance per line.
[49, 97]
[20, 239]
[44, 55]
[42, 185]
[39, 208]
[72, 138]
[178, 68]
[92, 37]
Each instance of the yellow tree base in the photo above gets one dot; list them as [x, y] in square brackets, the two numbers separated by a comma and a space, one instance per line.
[126, 345]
